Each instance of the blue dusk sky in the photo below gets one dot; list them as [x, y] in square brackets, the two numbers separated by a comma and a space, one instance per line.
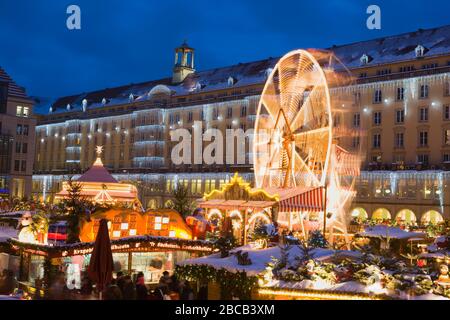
[132, 41]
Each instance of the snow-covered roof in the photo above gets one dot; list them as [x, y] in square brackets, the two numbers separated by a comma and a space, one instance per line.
[97, 173]
[382, 50]
[381, 231]
[7, 233]
[259, 258]
[395, 48]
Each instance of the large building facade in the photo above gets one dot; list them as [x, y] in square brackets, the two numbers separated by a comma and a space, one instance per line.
[17, 130]
[399, 102]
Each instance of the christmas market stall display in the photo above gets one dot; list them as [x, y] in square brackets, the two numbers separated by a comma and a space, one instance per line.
[99, 186]
[306, 271]
[240, 208]
[141, 241]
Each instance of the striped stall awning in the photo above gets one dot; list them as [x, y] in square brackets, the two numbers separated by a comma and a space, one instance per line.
[311, 200]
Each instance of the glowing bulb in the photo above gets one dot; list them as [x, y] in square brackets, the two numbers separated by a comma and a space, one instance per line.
[378, 191]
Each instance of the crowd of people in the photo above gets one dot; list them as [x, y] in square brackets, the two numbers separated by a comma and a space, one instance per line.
[169, 287]
[122, 287]
[8, 282]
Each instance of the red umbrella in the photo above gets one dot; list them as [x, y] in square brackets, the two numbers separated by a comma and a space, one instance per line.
[101, 264]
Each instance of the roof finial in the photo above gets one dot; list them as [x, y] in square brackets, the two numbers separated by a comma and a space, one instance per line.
[98, 161]
[99, 150]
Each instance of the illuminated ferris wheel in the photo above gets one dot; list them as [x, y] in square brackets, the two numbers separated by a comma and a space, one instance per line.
[293, 129]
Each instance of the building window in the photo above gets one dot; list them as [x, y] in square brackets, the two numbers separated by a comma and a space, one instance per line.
[400, 116]
[423, 114]
[23, 166]
[446, 157]
[16, 165]
[422, 158]
[447, 137]
[424, 89]
[446, 112]
[190, 116]
[355, 142]
[229, 112]
[378, 96]
[377, 118]
[243, 111]
[171, 119]
[25, 147]
[19, 129]
[19, 110]
[202, 115]
[18, 147]
[423, 138]
[376, 141]
[447, 88]
[215, 113]
[406, 69]
[399, 140]
[400, 94]
[383, 72]
[25, 129]
[356, 120]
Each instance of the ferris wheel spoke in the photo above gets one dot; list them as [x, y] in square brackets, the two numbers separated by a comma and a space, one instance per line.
[307, 111]
[307, 168]
[318, 131]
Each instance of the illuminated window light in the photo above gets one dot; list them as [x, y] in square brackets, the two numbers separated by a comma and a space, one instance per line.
[172, 234]
[165, 220]
[158, 219]
[116, 234]
[378, 191]
[427, 191]
[438, 191]
[387, 191]
[124, 226]
[157, 226]
[42, 140]
[132, 232]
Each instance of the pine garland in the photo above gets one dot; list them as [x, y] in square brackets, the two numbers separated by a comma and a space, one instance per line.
[232, 284]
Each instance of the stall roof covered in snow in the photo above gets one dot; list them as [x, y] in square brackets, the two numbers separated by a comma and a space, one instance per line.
[381, 231]
[7, 233]
[261, 257]
[382, 50]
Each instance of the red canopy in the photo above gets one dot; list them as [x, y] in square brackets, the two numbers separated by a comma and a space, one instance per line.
[101, 264]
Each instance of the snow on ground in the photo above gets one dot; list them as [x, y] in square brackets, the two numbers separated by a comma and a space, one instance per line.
[260, 258]
[381, 231]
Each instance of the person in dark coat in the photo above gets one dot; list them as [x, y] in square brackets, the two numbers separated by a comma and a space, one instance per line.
[141, 288]
[113, 291]
[129, 290]
[9, 283]
[120, 280]
[160, 291]
[185, 291]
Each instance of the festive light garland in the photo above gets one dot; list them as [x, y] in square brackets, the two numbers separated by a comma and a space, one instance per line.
[232, 284]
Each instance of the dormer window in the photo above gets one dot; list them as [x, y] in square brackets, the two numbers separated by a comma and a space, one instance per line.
[198, 87]
[365, 59]
[268, 72]
[420, 51]
[231, 81]
[68, 107]
[84, 104]
[104, 101]
[131, 97]
[50, 109]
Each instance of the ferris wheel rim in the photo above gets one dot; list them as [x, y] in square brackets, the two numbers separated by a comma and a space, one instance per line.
[329, 128]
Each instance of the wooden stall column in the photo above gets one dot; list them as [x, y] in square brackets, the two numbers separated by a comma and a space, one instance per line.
[130, 262]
